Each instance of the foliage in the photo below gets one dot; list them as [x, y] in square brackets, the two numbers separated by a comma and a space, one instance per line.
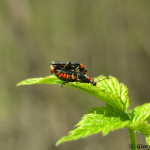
[108, 118]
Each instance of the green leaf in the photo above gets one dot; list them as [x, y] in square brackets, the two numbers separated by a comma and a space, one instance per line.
[148, 140]
[141, 127]
[102, 119]
[140, 113]
[119, 90]
[46, 80]
[109, 90]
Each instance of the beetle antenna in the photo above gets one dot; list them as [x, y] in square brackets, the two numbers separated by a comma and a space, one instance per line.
[102, 79]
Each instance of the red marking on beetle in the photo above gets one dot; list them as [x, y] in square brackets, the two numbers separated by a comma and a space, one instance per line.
[81, 66]
[52, 69]
[65, 75]
[61, 75]
[74, 77]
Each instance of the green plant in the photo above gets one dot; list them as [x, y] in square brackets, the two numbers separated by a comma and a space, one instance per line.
[104, 119]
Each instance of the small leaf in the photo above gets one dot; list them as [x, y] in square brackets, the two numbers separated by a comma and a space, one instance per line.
[97, 120]
[148, 140]
[140, 113]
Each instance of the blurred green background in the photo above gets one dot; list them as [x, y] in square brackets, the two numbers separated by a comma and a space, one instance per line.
[108, 37]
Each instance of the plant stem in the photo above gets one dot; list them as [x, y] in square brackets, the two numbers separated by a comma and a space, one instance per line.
[133, 144]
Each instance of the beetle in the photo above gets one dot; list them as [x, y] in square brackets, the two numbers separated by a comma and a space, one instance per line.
[68, 66]
[70, 76]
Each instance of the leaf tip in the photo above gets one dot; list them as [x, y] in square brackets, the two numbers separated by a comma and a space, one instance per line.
[58, 142]
[18, 84]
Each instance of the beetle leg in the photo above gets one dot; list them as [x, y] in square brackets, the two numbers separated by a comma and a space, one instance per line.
[59, 71]
[68, 63]
[61, 85]
[72, 76]
[77, 79]
[76, 69]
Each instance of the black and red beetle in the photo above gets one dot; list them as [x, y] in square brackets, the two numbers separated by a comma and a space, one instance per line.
[67, 66]
[71, 72]
[70, 76]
